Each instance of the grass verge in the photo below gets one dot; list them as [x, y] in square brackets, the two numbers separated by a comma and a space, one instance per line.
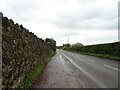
[104, 56]
[34, 74]
[99, 55]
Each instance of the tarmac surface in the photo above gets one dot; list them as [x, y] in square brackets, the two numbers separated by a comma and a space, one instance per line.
[71, 70]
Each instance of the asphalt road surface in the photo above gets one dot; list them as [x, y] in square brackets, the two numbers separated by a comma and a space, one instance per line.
[71, 70]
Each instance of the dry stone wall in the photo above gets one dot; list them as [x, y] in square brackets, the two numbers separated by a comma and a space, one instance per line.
[21, 51]
[0, 50]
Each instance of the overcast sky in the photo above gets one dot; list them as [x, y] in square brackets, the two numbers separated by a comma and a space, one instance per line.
[85, 21]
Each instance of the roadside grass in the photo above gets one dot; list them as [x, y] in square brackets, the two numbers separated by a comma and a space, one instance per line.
[98, 55]
[34, 74]
[104, 56]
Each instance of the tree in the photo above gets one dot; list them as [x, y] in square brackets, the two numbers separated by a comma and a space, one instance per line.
[52, 43]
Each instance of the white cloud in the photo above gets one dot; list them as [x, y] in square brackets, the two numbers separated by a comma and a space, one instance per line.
[85, 21]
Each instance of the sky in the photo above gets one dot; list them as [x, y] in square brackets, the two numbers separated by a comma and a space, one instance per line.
[84, 21]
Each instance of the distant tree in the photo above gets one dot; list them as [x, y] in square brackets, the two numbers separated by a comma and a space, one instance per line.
[79, 44]
[66, 45]
[52, 43]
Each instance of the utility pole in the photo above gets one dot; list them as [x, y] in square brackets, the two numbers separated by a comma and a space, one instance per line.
[68, 40]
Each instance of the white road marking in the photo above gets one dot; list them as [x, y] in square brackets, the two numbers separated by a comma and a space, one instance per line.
[91, 60]
[86, 73]
[62, 60]
[58, 53]
[111, 67]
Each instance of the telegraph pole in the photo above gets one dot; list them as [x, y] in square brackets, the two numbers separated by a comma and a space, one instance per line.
[68, 40]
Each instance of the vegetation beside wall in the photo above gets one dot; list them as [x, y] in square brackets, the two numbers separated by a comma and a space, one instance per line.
[52, 43]
[35, 73]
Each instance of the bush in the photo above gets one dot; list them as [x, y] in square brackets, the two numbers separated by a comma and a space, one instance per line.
[108, 49]
[52, 43]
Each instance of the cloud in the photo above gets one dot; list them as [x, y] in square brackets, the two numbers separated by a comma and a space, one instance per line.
[20, 10]
[60, 19]
[86, 16]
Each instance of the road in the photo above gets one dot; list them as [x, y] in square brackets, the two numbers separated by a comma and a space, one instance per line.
[67, 70]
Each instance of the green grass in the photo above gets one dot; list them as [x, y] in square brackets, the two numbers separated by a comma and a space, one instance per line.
[98, 55]
[104, 56]
[31, 76]
[34, 74]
